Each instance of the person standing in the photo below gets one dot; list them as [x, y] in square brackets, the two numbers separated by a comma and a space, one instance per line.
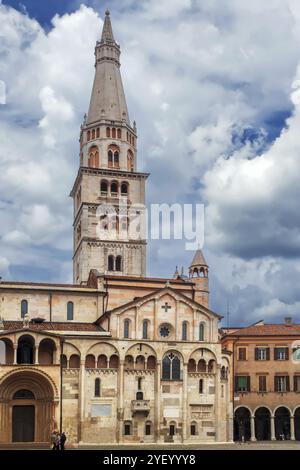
[53, 439]
[63, 439]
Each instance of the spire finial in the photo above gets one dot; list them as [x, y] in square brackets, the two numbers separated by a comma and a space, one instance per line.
[107, 33]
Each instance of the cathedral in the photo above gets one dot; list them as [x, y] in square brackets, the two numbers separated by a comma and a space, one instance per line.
[115, 357]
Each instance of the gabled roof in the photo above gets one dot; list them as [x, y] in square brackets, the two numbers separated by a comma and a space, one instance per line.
[166, 289]
[271, 329]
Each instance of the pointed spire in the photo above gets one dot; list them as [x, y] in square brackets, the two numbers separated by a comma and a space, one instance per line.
[108, 100]
[199, 259]
[107, 32]
[176, 274]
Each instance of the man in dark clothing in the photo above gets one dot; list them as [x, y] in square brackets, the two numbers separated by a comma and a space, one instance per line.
[63, 439]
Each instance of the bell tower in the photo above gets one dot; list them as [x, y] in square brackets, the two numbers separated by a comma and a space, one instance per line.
[108, 176]
[198, 272]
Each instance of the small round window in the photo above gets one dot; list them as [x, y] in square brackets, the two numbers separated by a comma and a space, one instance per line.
[165, 331]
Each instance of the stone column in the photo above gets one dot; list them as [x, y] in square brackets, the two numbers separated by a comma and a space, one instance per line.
[157, 401]
[185, 406]
[36, 355]
[292, 425]
[252, 438]
[81, 398]
[273, 436]
[217, 403]
[15, 353]
[120, 412]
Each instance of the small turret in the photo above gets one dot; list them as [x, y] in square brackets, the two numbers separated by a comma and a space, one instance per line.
[198, 272]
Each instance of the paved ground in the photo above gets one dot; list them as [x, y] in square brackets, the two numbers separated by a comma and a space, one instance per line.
[276, 445]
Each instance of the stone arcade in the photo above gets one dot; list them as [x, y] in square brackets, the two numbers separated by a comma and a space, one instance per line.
[116, 356]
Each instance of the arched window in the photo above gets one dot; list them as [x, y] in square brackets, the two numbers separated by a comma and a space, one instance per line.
[111, 262]
[24, 308]
[114, 189]
[93, 134]
[172, 428]
[139, 395]
[25, 352]
[201, 383]
[74, 361]
[88, 136]
[184, 331]
[98, 133]
[194, 429]
[93, 161]
[145, 329]
[127, 428]
[70, 311]
[148, 428]
[119, 263]
[130, 164]
[97, 388]
[171, 367]
[126, 328]
[90, 361]
[104, 188]
[119, 133]
[24, 394]
[201, 331]
[124, 189]
[107, 132]
[102, 362]
[113, 156]
[113, 133]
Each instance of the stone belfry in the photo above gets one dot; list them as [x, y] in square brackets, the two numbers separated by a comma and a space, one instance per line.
[107, 176]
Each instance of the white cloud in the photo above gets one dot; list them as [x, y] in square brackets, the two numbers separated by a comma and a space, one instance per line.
[197, 76]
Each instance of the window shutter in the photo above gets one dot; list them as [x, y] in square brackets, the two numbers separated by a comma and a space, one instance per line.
[268, 354]
[295, 383]
[248, 383]
[287, 383]
[287, 353]
[236, 383]
[256, 354]
[275, 354]
[275, 384]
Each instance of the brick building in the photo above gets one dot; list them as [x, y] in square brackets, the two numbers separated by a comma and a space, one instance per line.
[265, 380]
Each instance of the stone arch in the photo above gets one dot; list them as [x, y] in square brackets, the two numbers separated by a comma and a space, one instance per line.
[282, 416]
[26, 349]
[102, 348]
[242, 423]
[47, 351]
[146, 351]
[7, 351]
[297, 423]
[262, 417]
[203, 353]
[44, 391]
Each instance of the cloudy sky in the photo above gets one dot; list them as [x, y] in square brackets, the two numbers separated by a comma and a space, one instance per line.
[214, 86]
